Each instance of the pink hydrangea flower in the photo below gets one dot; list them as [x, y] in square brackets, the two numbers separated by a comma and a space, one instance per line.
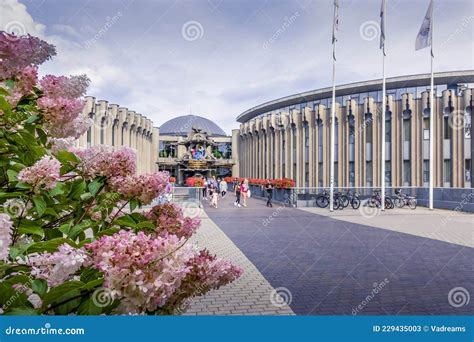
[64, 87]
[169, 219]
[141, 270]
[107, 161]
[6, 225]
[61, 144]
[25, 80]
[212, 272]
[58, 267]
[144, 187]
[43, 174]
[16, 53]
[59, 114]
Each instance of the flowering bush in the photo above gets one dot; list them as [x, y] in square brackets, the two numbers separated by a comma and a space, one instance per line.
[283, 183]
[194, 181]
[71, 224]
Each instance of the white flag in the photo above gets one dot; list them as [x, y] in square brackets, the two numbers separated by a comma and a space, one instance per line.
[335, 27]
[426, 30]
[382, 27]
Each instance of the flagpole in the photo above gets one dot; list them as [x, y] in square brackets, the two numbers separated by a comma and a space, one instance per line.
[431, 135]
[333, 119]
[333, 106]
[431, 180]
[384, 100]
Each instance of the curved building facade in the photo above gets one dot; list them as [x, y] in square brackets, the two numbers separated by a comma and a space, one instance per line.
[289, 137]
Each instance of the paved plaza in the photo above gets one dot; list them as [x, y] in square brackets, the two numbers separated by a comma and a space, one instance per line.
[399, 262]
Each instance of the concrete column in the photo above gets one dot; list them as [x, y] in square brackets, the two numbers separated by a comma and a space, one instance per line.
[235, 152]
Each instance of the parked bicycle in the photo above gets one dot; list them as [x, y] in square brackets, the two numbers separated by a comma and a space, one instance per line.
[353, 199]
[403, 199]
[322, 200]
[376, 200]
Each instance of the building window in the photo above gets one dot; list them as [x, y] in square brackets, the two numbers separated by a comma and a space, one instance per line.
[89, 137]
[293, 130]
[426, 171]
[447, 132]
[426, 129]
[368, 131]
[407, 172]
[320, 144]
[388, 173]
[351, 174]
[467, 170]
[368, 173]
[406, 130]
[388, 130]
[114, 127]
[447, 172]
[320, 174]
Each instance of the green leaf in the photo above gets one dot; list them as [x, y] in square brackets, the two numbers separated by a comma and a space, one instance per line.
[22, 312]
[49, 246]
[86, 196]
[134, 204]
[78, 188]
[57, 190]
[94, 186]
[88, 308]
[126, 220]
[12, 175]
[65, 228]
[89, 274]
[78, 229]
[43, 138]
[31, 229]
[65, 293]
[40, 205]
[66, 157]
[5, 106]
[146, 224]
[39, 286]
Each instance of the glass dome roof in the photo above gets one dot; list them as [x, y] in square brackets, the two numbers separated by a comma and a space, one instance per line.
[182, 125]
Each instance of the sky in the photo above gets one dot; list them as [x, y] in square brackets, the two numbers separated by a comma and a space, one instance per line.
[218, 58]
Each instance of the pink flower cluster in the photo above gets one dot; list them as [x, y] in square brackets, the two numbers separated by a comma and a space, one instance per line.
[42, 175]
[144, 187]
[61, 144]
[58, 267]
[207, 272]
[211, 271]
[5, 236]
[25, 80]
[107, 161]
[169, 219]
[64, 87]
[141, 270]
[16, 53]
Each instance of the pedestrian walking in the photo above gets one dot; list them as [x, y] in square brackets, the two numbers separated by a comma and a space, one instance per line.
[245, 191]
[213, 193]
[204, 189]
[223, 188]
[238, 191]
[269, 189]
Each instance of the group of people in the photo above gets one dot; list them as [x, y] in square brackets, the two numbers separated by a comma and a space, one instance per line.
[214, 187]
